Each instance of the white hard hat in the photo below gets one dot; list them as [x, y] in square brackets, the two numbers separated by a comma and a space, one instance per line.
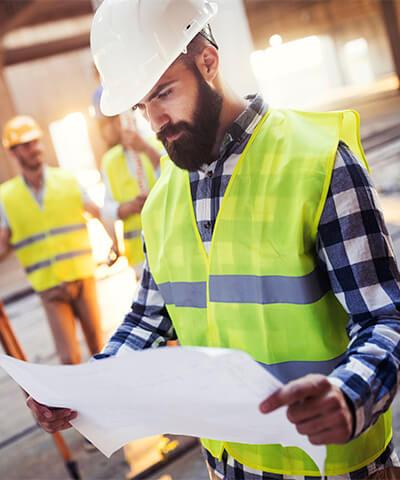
[134, 42]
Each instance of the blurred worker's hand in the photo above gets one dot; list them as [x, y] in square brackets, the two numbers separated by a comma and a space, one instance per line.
[131, 207]
[132, 139]
[317, 408]
[51, 419]
[138, 202]
[5, 242]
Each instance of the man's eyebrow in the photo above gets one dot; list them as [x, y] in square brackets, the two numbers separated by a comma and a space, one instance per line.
[156, 91]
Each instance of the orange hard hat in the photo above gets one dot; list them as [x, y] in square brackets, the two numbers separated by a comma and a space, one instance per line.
[20, 129]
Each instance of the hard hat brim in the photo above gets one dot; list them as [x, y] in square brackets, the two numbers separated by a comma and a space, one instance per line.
[24, 138]
[122, 96]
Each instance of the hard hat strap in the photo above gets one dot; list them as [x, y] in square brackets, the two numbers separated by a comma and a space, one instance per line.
[206, 33]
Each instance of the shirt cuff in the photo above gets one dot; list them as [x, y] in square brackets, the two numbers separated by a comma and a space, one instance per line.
[355, 390]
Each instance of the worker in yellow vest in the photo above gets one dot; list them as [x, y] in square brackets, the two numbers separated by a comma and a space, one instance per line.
[129, 170]
[262, 234]
[42, 221]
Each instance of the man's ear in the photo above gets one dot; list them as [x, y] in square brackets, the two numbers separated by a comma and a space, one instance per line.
[207, 63]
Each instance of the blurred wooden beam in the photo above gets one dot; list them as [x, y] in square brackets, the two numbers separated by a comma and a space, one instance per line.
[389, 13]
[55, 10]
[13, 56]
[25, 13]
[22, 17]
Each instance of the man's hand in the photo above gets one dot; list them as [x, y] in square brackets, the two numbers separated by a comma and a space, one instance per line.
[132, 139]
[51, 419]
[138, 202]
[131, 207]
[317, 408]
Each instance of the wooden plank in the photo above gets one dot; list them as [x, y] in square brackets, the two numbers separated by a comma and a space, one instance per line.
[21, 18]
[13, 56]
[40, 11]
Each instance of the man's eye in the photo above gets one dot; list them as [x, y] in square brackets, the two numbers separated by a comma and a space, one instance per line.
[138, 106]
[165, 93]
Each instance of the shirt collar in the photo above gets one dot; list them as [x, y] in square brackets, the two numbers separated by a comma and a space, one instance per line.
[242, 126]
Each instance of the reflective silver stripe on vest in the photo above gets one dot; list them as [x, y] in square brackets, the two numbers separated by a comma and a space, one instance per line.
[184, 294]
[268, 289]
[68, 228]
[62, 256]
[287, 371]
[29, 240]
[132, 234]
[54, 231]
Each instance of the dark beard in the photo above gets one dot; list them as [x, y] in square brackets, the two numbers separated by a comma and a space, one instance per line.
[28, 166]
[194, 147]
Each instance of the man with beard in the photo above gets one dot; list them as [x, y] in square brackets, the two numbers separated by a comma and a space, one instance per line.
[42, 220]
[262, 234]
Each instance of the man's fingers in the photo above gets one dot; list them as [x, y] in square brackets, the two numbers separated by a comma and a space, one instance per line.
[321, 423]
[60, 414]
[52, 427]
[58, 424]
[72, 416]
[51, 419]
[52, 415]
[273, 402]
[296, 391]
[327, 437]
[312, 407]
[39, 410]
[34, 405]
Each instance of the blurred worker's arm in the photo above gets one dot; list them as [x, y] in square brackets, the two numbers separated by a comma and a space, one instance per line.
[95, 211]
[5, 234]
[5, 246]
[133, 140]
[109, 212]
[89, 205]
[356, 252]
[131, 207]
[91, 208]
[113, 210]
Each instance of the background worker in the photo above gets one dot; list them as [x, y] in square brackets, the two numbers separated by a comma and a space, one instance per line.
[42, 221]
[262, 234]
[129, 171]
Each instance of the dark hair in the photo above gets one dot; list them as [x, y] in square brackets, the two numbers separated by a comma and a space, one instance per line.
[203, 39]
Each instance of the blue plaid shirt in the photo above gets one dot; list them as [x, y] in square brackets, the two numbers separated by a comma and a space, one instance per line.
[353, 247]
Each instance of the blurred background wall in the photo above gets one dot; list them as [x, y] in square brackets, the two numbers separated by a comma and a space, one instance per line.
[303, 54]
[307, 52]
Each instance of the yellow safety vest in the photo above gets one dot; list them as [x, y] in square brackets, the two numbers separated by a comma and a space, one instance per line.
[125, 187]
[260, 289]
[51, 242]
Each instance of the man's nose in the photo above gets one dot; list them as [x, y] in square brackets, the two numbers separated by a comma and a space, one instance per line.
[35, 148]
[158, 118]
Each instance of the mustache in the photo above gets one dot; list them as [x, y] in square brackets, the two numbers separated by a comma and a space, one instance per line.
[173, 129]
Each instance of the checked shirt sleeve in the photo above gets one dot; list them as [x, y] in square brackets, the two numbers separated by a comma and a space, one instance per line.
[147, 325]
[354, 247]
